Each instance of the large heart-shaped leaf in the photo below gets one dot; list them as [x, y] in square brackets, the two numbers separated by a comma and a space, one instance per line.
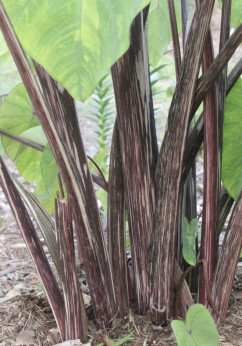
[18, 118]
[28, 164]
[76, 41]
[232, 141]
[48, 168]
[198, 329]
[159, 28]
[35, 134]
[47, 198]
[1, 148]
[9, 76]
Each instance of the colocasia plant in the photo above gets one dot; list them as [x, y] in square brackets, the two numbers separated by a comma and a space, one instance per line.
[62, 50]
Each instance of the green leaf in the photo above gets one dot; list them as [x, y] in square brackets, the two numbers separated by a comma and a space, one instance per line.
[16, 116]
[199, 328]
[47, 199]
[102, 196]
[35, 134]
[101, 160]
[1, 148]
[41, 287]
[48, 168]
[159, 28]
[232, 141]
[75, 41]
[189, 233]
[236, 13]
[127, 242]
[117, 342]
[123, 340]
[9, 76]
[28, 164]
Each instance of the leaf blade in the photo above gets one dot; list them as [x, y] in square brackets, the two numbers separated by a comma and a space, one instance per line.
[198, 329]
[232, 142]
[76, 41]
